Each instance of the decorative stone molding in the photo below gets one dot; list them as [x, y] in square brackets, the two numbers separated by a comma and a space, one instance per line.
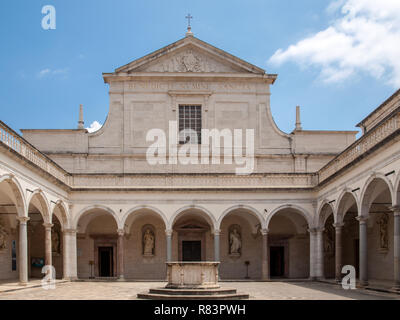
[23, 220]
[362, 219]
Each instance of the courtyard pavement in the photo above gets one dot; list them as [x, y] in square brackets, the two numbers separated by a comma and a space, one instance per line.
[257, 290]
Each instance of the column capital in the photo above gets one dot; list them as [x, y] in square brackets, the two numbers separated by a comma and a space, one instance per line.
[338, 225]
[23, 220]
[264, 232]
[48, 225]
[315, 230]
[396, 210]
[70, 231]
[168, 232]
[120, 232]
[217, 232]
[362, 219]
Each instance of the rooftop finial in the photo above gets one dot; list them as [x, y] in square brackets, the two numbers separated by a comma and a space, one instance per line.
[298, 122]
[189, 28]
[81, 122]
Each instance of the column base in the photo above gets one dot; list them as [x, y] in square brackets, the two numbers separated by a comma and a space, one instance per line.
[363, 284]
[121, 278]
[22, 283]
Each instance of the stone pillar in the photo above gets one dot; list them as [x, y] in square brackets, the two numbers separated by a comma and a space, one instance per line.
[320, 253]
[23, 250]
[313, 262]
[216, 245]
[264, 255]
[47, 244]
[396, 247]
[70, 258]
[338, 251]
[169, 244]
[363, 251]
[120, 249]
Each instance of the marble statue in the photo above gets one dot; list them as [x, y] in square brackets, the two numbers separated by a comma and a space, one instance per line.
[148, 242]
[3, 237]
[55, 241]
[383, 231]
[235, 241]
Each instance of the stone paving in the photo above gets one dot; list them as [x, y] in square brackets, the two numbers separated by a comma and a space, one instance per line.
[257, 290]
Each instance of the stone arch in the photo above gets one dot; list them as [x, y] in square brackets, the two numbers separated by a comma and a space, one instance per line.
[344, 203]
[324, 211]
[155, 210]
[250, 209]
[63, 215]
[44, 203]
[297, 208]
[205, 213]
[397, 190]
[370, 192]
[85, 210]
[17, 191]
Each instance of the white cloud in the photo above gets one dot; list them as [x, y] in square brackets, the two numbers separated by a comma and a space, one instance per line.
[48, 72]
[94, 126]
[365, 37]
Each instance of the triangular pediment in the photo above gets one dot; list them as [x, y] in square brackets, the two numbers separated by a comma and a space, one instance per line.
[189, 55]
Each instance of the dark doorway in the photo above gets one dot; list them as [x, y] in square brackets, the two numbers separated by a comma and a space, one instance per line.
[106, 262]
[191, 250]
[357, 256]
[277, 261]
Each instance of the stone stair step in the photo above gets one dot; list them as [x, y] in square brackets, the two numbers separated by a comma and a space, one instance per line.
[218, 291]
[154, 296]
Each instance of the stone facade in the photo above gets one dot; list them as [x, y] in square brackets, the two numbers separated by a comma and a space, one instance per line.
[313, 203]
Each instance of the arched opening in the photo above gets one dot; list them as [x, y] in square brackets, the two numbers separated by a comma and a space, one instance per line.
[192, 238]
[145, 245]
[327, 221]
[10, 199]
[97, 240]
[240, 250]
[376, 205]
[347, 214]
[38, 212]
[60, 222]
[289, 244]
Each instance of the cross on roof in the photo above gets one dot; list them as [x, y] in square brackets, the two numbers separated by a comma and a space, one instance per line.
[189, 17]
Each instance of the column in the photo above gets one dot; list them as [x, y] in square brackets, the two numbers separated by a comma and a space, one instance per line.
[47, 244]
[216, 245]
[264, 255]
[396, 246]
[363, 251]
[338, 251]
[120, 249]
[70, 255]
[23, 250]
[320, 253]
[312, 253]
[169, 244]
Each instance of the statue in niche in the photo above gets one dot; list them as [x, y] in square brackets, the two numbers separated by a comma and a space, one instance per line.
[55, 241]
[148, 242]
[329, 235]
[3, 237]
[383, 231]
[235, 241]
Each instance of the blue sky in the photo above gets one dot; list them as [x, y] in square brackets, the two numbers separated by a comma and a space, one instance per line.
[337, 63]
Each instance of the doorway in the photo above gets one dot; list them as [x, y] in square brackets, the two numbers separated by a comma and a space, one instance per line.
[191, 250]
[277, 261]
[106, 266]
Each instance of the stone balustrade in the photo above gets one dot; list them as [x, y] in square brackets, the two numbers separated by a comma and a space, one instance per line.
[14, 141]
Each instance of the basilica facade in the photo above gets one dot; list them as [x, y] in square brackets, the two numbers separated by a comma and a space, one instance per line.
[120, 202]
